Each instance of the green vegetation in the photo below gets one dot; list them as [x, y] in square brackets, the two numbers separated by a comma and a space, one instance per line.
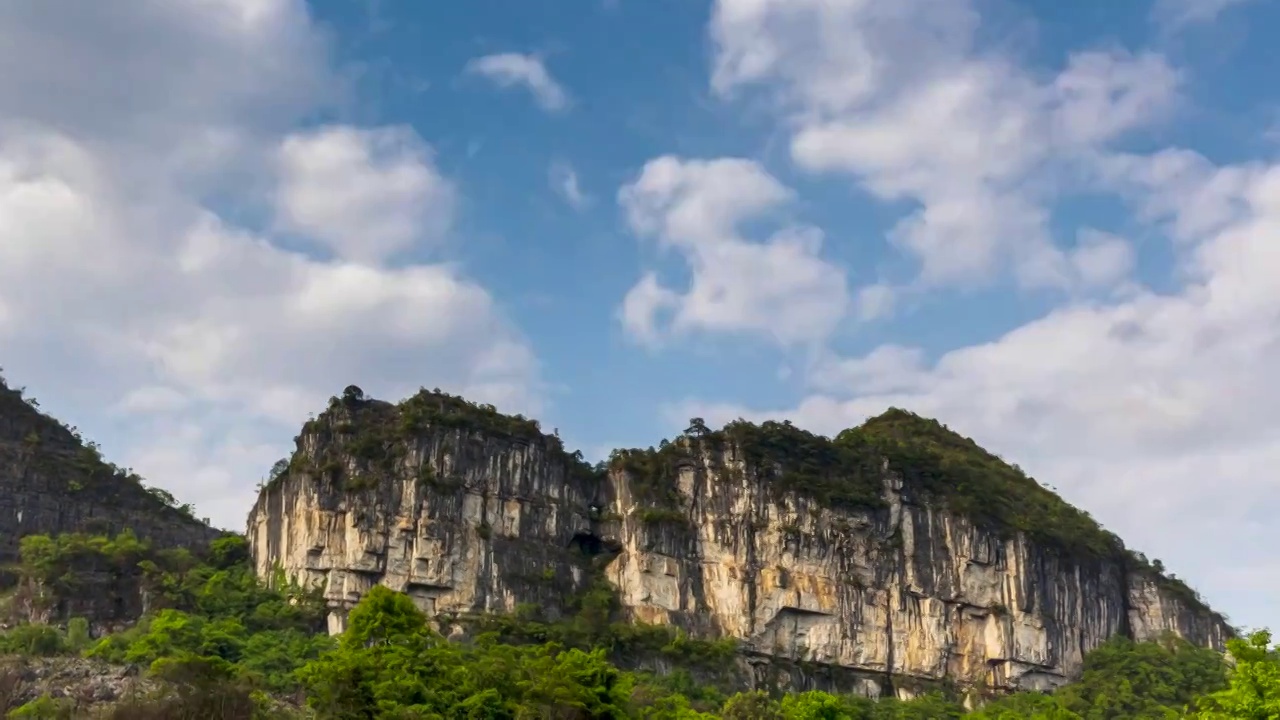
[217, 636]
[215, 642]
[942, 464]
[838, 475]
[211, 608]
[1000, 497]
[789, 459]
[653, 472]
[936, 464]
[595, 624]
[660, 515]
[64, 455]
[1168, 582]
[219, 645]
[378, 435]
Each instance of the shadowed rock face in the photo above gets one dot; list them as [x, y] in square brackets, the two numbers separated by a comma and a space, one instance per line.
[51, 483]
[869, 581]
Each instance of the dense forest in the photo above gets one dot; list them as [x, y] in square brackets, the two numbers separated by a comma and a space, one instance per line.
[216, 643]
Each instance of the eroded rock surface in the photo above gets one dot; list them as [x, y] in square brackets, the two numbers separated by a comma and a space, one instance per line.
[886, 590]
[84, 682]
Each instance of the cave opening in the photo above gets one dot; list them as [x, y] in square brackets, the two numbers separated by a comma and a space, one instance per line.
[592, 545]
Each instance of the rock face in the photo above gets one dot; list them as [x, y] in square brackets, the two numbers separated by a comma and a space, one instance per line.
[52, 483]
[81, 683]
[854, 563]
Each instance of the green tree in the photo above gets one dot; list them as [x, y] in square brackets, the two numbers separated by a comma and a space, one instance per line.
[930, 706]
[754, 705]
[1157, 679]
[1254, 690]
[1025, 706]
[815, 705]
[78, 637]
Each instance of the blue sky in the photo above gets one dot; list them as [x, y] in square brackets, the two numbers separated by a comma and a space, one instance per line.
[1047, 224]
[638, 76]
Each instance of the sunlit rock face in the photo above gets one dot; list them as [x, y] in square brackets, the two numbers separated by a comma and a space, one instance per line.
[887, 597]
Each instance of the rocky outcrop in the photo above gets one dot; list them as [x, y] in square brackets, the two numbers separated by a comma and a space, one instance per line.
[459, 519]
[75, 684]
[51, 483]
[835, 564]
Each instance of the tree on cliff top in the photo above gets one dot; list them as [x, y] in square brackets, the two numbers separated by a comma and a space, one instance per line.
[352, 394]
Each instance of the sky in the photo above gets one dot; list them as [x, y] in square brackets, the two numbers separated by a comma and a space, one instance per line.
[1053, 226]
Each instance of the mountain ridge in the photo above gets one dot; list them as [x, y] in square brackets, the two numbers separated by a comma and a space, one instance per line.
[898, 549]
[57, 482]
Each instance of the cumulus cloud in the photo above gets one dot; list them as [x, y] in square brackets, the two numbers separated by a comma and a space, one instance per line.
[898, 97]
[509, 70]
[365, 193]
[1101, 259]
[1154, 410]
[780, 288]
[129, 294]
[874, 302]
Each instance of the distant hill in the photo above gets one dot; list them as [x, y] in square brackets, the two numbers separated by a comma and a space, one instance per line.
[52, 482]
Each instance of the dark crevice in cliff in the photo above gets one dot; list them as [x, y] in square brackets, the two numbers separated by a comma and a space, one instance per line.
[483, 535]
[1126, 604]
[592, 545]
[692, 588]
[887, 689]
[751, 570]
[894, 540]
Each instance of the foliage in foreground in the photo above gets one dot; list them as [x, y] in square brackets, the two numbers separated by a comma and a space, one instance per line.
[389, 664]
[222, 646]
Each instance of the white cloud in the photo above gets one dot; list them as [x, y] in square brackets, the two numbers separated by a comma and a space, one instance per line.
[1155, 412]
[564, 181]
[1178, 14]
[1180, 189]
[1101, 259]
[888, 368]
[128, 297]
[365, 194]
[151, 399]
[513, 69]
[875, 302]
[780, 288]
[641, 307]
[219, 76]
[897, 96]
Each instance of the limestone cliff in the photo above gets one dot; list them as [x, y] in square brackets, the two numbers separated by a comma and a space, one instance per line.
[52, 482]
[898, 555]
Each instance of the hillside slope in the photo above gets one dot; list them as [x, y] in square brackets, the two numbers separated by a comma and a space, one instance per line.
[53, 482]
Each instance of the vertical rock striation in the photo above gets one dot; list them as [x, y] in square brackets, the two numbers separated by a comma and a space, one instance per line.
[461, 519]
[896, 557]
